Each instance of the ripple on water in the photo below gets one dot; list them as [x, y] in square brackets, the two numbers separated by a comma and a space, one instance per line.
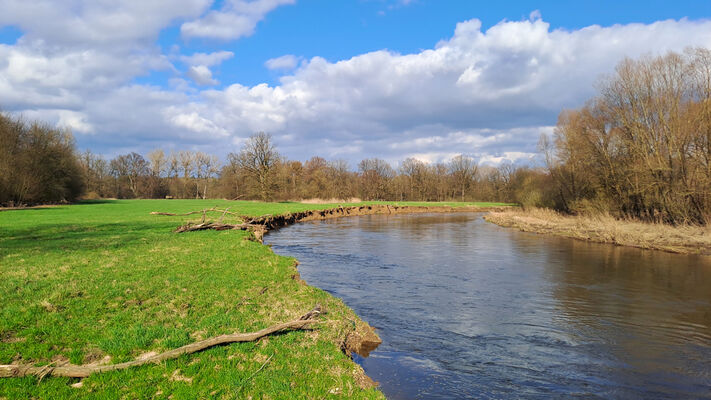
[467, 309]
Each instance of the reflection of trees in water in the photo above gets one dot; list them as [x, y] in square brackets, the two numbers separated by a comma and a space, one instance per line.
[435, 226]
[647, 307]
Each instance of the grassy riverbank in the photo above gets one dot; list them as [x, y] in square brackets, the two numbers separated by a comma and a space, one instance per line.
[105, 282]
[606, 229]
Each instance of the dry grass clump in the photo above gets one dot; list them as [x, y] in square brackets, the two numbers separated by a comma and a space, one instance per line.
[604, 228]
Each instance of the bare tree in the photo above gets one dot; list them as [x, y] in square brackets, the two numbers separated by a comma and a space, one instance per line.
[38, 163]
[641, 148]
[186, 160]
[258, 159]
[207, 166]
[463, 169]
[375, 177]
[173, 165]
[133, 167]
[158, 162]
[415, 172]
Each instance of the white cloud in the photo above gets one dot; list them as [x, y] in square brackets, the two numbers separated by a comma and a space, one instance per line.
[481, 92]
[196, 123]
[236, 19]
[207, 59]
[285, 62]
[95, 22]
[489, 94]
[201, 75]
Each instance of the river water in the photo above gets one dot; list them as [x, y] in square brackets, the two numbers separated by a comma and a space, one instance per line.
[467, 309]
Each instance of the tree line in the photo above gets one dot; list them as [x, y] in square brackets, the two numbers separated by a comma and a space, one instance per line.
[639, 149]
[258, 171]
[40, 164]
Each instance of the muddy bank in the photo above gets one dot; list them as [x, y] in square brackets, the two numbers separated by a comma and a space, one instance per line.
[606, 229]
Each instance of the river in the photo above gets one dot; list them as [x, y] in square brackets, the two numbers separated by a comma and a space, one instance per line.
[467, 309]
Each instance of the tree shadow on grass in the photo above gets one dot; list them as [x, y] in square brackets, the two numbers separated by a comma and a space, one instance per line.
[58, 206]
[98, 201]
[63, 237]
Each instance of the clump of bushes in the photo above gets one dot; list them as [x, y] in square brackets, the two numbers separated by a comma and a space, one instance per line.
[38, 164]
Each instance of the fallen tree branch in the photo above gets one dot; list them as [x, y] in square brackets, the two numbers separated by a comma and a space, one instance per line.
[213, 209]
[219, 221]
[82, 371]
[189, 227]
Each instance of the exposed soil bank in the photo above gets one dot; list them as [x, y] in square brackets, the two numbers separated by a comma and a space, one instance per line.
[270, 222]
[606, 229]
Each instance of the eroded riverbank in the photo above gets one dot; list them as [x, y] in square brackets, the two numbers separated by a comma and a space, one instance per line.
[271, 222]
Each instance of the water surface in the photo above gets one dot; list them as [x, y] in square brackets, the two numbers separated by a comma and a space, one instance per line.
[467, 309]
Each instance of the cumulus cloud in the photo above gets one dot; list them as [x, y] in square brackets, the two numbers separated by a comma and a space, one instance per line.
[90, 22]
[201, 75]
[285, 62]
[486, 93]
[207, 59]
[236, 19]
[503, 86]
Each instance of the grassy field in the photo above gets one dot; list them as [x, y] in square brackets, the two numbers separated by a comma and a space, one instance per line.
[105, 282]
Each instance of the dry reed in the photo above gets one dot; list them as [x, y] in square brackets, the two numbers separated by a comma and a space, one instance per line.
[606, 229]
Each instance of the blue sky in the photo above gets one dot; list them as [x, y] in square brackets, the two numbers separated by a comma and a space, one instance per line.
[341, 79]
[337, 30]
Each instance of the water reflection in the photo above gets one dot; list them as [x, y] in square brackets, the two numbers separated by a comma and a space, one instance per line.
[467, 309]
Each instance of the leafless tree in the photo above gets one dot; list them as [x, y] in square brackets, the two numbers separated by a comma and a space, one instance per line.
[132, 167]
[258, 159]
[207, 166]
[463, 170]
[375, 178]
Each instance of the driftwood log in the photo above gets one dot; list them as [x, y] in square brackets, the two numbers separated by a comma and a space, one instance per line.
[82, 371]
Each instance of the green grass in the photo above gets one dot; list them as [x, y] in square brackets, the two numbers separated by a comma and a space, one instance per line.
[107, 279]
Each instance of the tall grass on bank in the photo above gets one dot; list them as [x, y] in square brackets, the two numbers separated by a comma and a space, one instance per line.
[603, 228]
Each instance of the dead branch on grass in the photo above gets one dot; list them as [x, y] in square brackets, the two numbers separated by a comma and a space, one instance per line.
[203, 226]
[82, 371]
[207, 210]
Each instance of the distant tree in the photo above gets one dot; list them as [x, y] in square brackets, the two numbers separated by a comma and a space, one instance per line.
[158, 167]
[38, 163]
[415, 172]
[463, 170]
[316, 177]
[342, 181]
[258, 159]
[158, 162]
[133, 168]
[96, 174]
[207, 166]
[375, 177]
